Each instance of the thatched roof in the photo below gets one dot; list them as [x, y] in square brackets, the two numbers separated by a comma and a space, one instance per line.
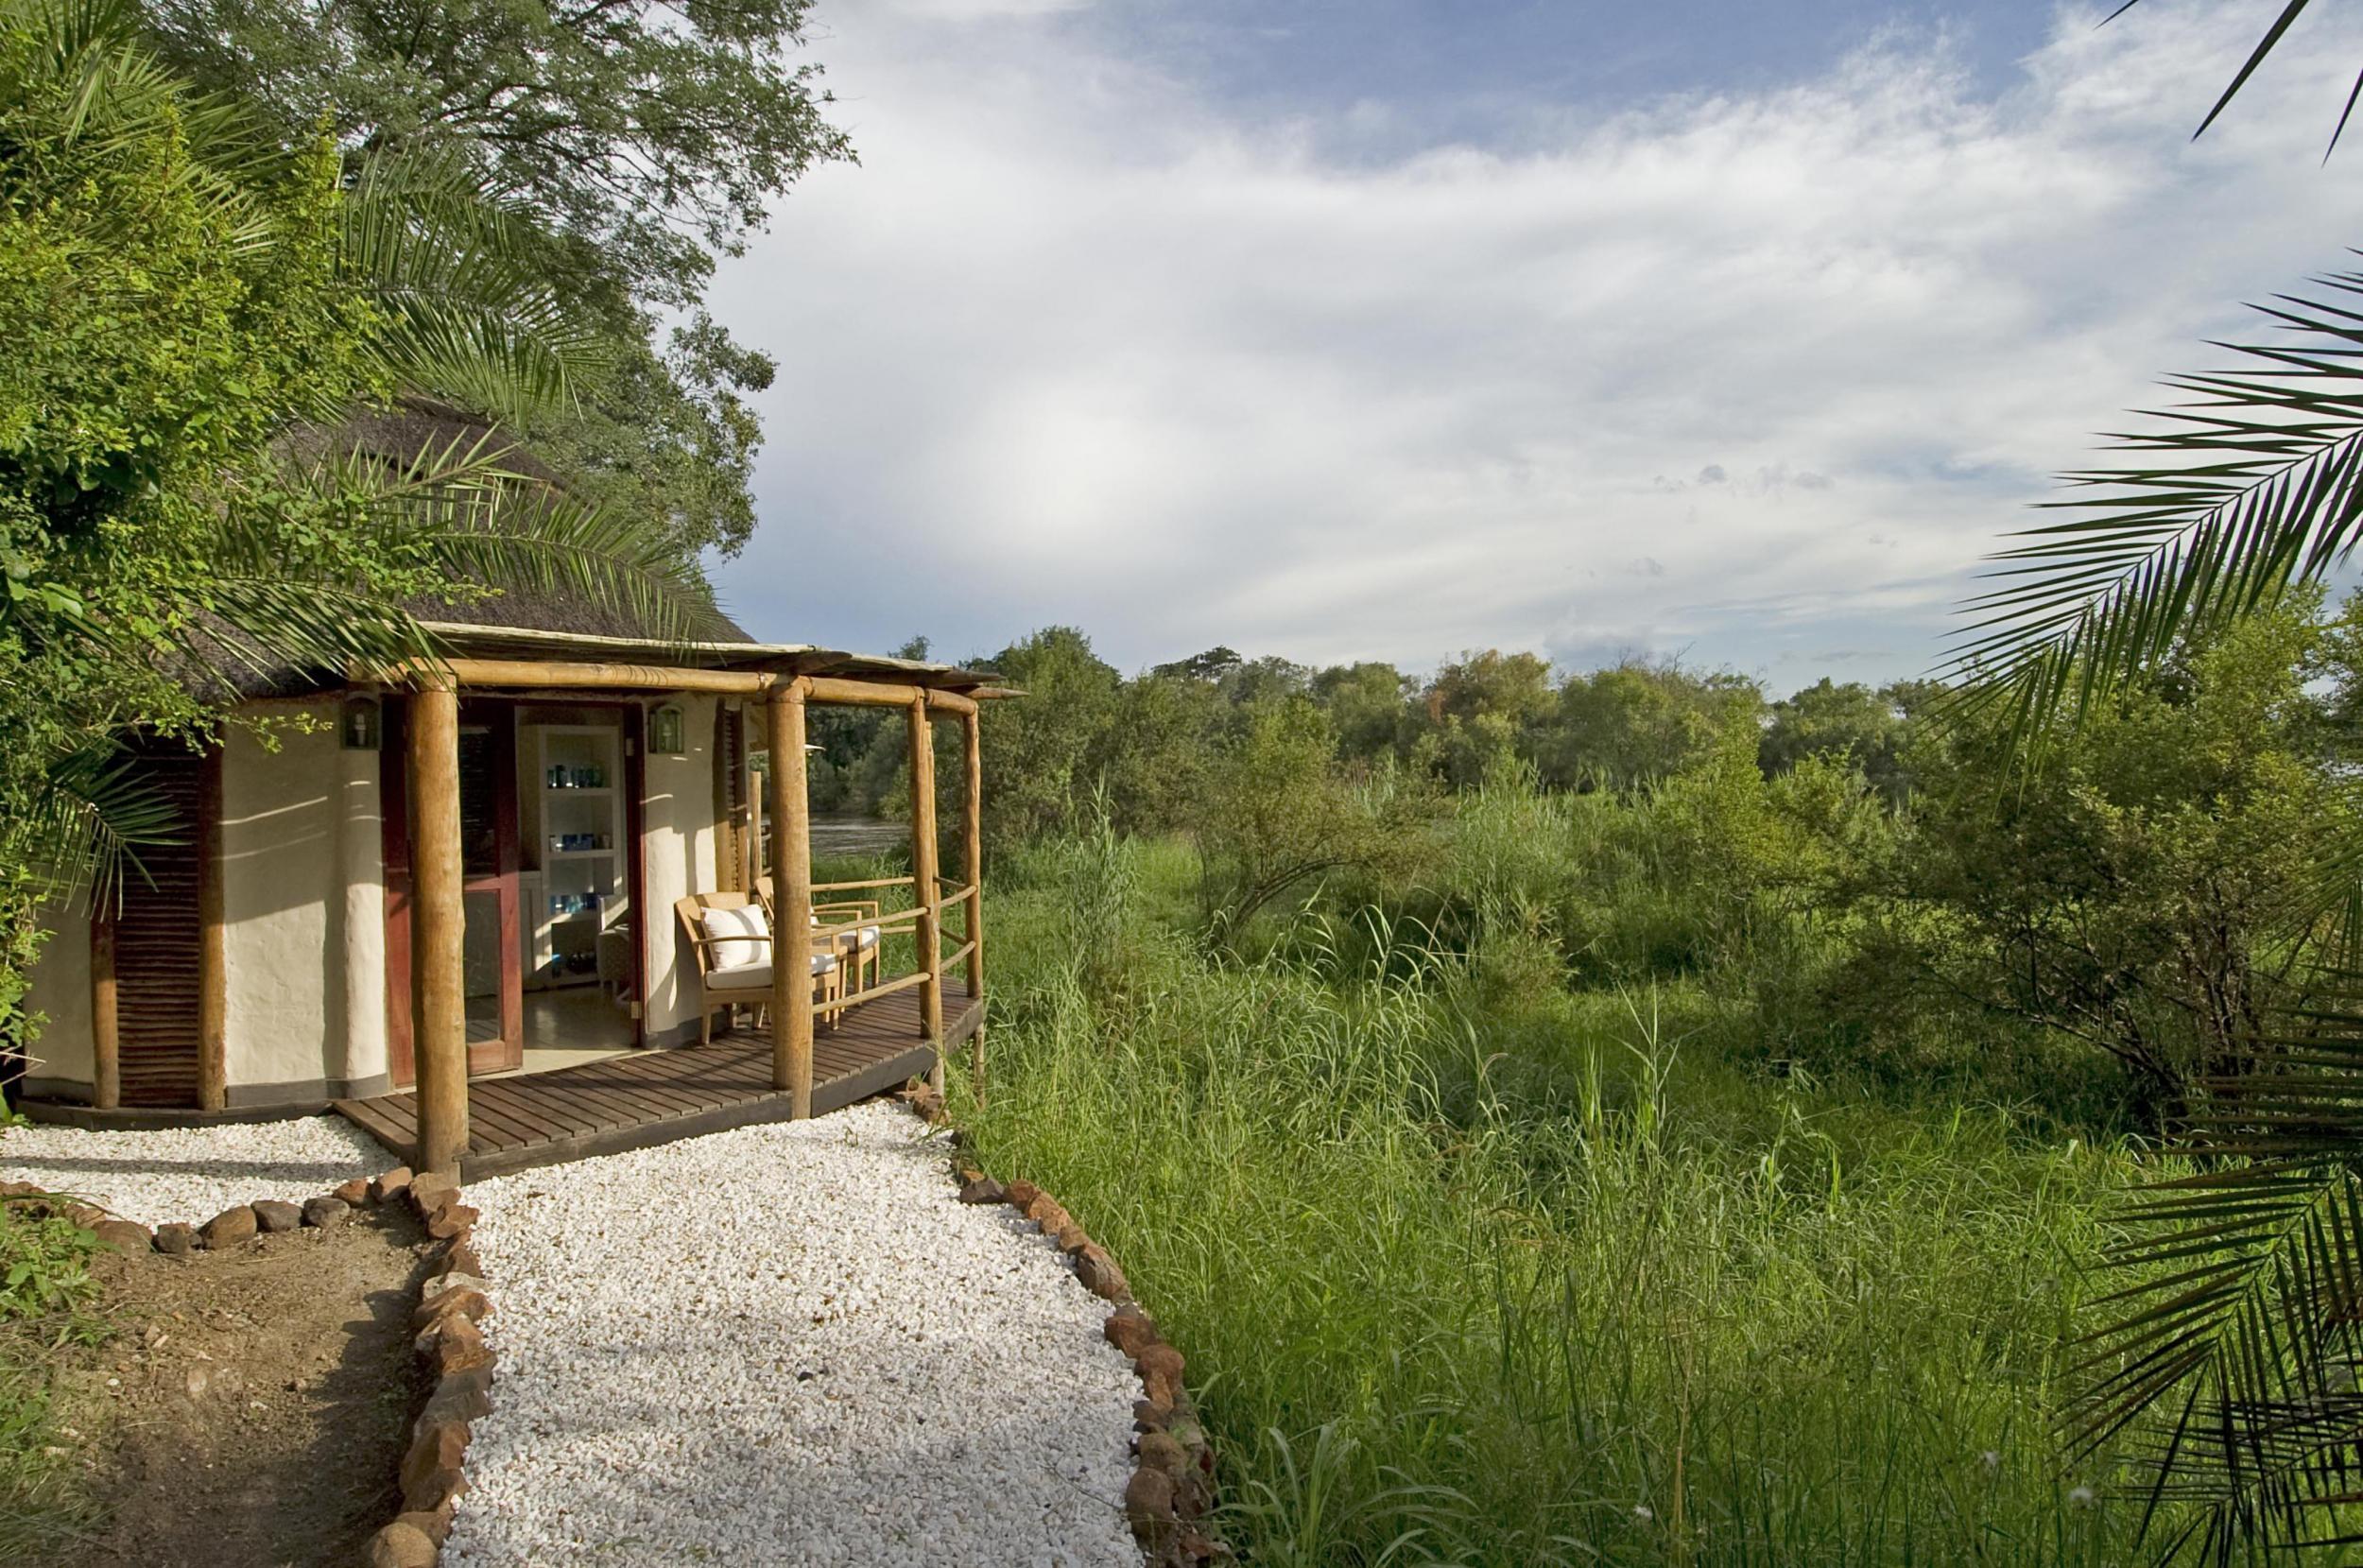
[555, 626]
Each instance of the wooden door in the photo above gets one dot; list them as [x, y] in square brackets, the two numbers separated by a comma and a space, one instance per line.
[492, 969]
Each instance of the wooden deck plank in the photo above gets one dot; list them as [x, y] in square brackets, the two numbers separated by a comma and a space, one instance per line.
[647, 1097]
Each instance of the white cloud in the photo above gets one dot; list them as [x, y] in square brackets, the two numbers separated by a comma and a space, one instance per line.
[1074, 343]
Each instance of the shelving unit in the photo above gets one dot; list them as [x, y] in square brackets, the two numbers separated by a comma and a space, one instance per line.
[582, 889]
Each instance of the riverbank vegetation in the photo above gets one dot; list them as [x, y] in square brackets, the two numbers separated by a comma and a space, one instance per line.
[1690, 1132]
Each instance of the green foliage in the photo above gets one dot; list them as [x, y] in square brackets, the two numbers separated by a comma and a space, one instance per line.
[1475, 1271]
[1275, 815]
[2135, 892]
[192, 311]
[648, 140]
[1633, 724]
[47, 1302]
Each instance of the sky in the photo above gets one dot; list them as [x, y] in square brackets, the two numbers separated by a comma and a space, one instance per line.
[1726, 330]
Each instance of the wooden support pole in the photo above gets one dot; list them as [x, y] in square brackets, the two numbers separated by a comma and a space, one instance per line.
[438, 923]
[973, 873]
[791, 902]
[924, 879]
[754, 837]
[213, 956]
[106, 1030]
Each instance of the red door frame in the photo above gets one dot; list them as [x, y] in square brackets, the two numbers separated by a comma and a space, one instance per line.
[499, 716]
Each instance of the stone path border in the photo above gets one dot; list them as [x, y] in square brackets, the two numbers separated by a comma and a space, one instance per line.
[1171, 1494]
[451, 1302]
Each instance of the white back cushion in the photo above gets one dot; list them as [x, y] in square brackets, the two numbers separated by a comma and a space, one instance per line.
[730, 929]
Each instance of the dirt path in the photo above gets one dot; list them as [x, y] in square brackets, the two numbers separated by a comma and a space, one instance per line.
[249, 1412]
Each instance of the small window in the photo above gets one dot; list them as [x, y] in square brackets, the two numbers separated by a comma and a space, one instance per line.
[667, 734]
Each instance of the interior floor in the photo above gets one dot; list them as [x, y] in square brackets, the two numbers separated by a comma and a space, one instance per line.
[568, 1026]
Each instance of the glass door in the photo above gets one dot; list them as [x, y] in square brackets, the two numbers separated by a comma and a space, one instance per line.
[488, 861]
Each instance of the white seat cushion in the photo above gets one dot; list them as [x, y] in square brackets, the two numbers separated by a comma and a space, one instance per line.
[741, 978]
[733, 932]
[758, 976]
[869, 935]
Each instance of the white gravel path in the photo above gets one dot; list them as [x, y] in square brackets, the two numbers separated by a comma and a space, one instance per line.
[191, 1174]
[788, 1344]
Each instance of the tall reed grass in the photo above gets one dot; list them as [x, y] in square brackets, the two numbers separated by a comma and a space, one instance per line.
[1475, 1270]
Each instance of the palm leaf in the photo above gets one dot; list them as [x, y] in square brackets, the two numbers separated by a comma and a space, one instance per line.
[2230, 500]
[454, 269]
[2226, 1374]
[2278, 31]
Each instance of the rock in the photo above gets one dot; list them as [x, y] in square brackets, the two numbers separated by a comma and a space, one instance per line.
[228, 1228]
[326, 1214]
[86, 1216]
[431, 1468]
[465, 1396]
[1048, 1212]
[454, 1345]
[436, 1527]
[451, 1220]
[403, 1546]
[390, 1185]
[1148, 1414]
[1159, 1366]
[431, 1190]
[1130, 1330]
[1149, 1504]
[449, 1280]
[982, 1189]
[124, 1235]
[1071, 1238]
[275, 1216]
[20, 1189]
[459, 1258]
[1099, 1274]
[176, 1239]
[1158, 1451]
[353, 1193]
[1019, 1193]
[467, 1302]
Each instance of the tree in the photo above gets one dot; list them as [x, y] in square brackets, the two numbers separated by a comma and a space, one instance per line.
[648, 138]
[1276, 814]
[1037, 751]
[1368, 707]
[1636, 723]
[191, 312]
[2132, 893]
[1479, 709]
[1850, 722]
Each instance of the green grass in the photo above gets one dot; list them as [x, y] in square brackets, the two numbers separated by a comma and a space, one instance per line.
[1472, 1267]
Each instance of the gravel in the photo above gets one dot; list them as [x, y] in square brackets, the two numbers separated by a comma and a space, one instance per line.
[159, 1175]
[789, 1343]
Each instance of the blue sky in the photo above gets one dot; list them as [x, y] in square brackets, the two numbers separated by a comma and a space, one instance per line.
[1384, 329]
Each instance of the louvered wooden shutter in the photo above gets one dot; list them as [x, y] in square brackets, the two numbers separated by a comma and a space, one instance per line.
[159, 942]
[730, 797]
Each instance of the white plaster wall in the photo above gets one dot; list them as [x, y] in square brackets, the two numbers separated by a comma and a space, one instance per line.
[361, 876]
[284, 899]
[678, 817]
[61, 989]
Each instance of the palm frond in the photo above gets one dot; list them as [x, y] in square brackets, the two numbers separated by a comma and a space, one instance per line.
[455, 271]
[94, 813]
[2254, 488]
[2274, 34]
[2228, 1371]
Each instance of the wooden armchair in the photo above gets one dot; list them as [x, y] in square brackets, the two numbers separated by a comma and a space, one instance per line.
[860, 954]
[724, 987]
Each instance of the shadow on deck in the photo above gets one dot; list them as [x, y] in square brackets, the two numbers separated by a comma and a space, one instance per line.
[649, 1097]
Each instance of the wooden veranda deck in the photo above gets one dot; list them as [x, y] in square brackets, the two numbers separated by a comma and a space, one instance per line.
[648, 1098]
